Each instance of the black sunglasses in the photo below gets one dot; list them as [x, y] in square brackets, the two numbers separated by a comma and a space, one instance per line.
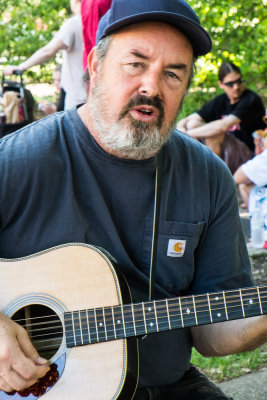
[232, 83]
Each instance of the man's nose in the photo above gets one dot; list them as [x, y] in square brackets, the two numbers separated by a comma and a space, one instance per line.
[150, 84]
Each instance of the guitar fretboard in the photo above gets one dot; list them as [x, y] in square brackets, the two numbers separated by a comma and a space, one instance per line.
[116, 322]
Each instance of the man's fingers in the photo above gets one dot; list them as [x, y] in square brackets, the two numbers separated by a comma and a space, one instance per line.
[28, 349]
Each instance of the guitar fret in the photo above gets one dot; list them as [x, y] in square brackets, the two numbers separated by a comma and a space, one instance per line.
[168, 314]
[259, 297]
[156, 317]
[217, 307]
[97, 337]
[80, 326]
[133, 319]
[208, 296]
[195, 311]
[241, 300]
[105, 324]
[181, 311]
[87, 319]
[123, 322]
[144, 316]
[74, 333]
[225, 308]
[114, 324]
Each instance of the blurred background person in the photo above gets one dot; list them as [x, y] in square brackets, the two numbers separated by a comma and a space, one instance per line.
[226, 123]
[68, 39]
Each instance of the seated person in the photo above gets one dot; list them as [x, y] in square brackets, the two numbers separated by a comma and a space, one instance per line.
[238, 110]
[50, 108]
[252, 180]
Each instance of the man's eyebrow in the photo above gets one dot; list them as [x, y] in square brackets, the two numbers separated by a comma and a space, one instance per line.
[180, 66]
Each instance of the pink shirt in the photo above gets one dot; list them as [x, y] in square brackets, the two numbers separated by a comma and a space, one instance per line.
[91, 11]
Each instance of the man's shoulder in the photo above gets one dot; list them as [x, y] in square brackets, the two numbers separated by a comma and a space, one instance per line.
[34, 139]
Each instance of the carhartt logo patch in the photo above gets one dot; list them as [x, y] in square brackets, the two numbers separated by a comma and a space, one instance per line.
[176, 248]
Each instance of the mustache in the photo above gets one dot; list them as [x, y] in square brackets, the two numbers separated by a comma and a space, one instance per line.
[140, 100]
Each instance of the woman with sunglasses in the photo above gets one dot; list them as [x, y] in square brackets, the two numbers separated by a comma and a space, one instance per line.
[228, 119]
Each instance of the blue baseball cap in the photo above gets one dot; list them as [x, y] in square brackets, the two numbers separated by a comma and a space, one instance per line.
[174, 12]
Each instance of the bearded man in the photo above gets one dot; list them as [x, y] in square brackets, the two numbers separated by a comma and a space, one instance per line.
[88, 175]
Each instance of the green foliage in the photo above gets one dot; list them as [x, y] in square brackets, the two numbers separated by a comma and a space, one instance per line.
[224, 368]
[237, 29]
[27, 25]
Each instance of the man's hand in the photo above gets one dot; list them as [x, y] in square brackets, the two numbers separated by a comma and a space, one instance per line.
[20, 364]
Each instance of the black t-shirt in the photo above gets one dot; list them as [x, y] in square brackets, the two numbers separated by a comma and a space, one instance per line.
[249, 109]
[58, 186]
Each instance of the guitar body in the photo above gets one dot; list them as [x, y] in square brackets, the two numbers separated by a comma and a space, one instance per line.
[74, 277]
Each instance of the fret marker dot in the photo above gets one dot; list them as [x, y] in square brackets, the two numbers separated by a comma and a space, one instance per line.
[149, 308]
[188, 311]
[151, 324]
[118, 322]
[100, 324]
[217, 298]
[250, 301]
[219, 315]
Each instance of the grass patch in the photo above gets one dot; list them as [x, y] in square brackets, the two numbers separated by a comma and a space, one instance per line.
[224, 368]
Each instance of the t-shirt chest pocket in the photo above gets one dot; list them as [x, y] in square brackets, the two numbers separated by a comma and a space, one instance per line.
[177, 242]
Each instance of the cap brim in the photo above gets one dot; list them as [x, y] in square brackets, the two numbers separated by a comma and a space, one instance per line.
[199, 38]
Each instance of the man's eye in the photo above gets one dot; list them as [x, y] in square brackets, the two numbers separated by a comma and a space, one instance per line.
[172, 75]
[135, 64]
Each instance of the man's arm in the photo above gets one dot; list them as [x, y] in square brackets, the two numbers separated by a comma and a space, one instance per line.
[230, 337]
[20, 364]
[213, 128]
[39, 57]
[191, 121]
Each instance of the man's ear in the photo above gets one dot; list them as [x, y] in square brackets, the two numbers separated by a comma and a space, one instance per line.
[92, 63]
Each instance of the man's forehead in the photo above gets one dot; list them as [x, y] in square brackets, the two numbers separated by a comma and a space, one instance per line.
[144, 33]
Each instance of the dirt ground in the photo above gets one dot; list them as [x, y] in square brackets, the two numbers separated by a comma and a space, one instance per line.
[259, 268]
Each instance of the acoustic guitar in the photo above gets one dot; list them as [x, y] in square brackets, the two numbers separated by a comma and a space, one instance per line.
[77, 310]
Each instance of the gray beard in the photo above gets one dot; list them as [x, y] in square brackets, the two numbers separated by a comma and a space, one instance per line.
[128, 137]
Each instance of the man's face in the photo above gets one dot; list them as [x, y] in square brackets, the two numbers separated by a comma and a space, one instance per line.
[235, 90]
[136, 91]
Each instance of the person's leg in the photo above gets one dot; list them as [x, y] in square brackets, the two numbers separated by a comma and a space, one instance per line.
[215, 143]
[244, 190]
[193, 386]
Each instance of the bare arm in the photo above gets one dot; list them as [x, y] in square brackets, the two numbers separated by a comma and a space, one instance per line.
[230, 337]
[213, 128]
[20, 364]
[191, 121]
[39, 57]
[241, 177]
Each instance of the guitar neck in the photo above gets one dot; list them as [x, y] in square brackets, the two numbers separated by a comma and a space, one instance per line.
[122, 321]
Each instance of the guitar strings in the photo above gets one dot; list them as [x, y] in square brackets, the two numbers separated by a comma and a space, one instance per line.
[141, 323]
[186, 302]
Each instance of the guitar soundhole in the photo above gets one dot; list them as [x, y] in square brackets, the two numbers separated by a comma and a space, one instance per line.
[43, 327]
[45, 331]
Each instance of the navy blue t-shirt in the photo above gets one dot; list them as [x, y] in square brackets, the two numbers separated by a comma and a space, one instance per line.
[249, 109]
[58, 186]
